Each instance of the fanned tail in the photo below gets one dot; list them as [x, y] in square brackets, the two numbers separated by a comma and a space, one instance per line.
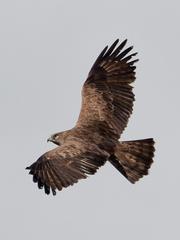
[133, 158]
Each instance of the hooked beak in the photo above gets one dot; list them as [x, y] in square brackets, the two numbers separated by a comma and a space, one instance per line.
[50, 139]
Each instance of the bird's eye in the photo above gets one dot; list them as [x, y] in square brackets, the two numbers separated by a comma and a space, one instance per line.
[55, 136]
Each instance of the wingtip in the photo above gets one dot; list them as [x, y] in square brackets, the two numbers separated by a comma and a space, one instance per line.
[131, 47]
[53, 192]
[117, 40]
[125, 41]
[133, 62]
[106, 47]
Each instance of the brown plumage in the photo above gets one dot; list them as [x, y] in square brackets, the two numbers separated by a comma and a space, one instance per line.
[107, 103]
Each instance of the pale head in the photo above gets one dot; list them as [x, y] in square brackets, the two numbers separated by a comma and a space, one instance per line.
[58, 138]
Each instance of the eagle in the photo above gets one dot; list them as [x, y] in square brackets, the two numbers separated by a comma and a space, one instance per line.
[107, 103]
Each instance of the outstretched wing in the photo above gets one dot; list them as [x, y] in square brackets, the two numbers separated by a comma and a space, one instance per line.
[65, 165]
[107, 94]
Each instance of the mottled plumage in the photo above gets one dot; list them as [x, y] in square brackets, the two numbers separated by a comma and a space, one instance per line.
[107, 103]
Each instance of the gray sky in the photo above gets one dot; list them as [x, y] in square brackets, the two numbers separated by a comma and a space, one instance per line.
[46, 51]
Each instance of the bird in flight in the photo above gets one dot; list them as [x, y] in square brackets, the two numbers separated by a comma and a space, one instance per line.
[107, 103]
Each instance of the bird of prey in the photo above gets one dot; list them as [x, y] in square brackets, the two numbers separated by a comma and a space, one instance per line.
[107, 103]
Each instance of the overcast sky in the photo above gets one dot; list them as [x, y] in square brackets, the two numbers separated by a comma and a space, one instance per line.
[46, 51]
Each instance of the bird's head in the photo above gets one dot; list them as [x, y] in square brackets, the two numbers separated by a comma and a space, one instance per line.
[55, 138]
[59, 138]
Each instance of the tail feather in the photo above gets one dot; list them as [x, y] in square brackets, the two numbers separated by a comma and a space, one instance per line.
[133, 158]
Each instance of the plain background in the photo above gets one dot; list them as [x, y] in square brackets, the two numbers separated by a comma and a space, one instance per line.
[46, 51]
